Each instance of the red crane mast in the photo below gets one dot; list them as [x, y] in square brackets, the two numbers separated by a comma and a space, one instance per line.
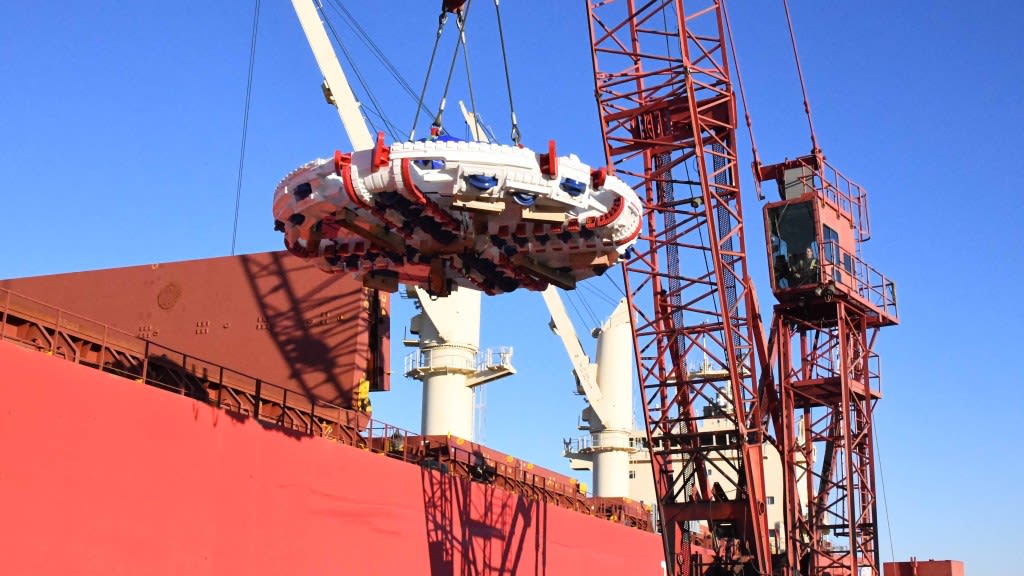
[831, 305]
[668, 117]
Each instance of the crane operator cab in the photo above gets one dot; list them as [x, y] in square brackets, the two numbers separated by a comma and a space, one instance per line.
[814, 237]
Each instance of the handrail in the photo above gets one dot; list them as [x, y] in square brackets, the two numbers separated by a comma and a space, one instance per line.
[838, 191]
[91, 343]
[115, 351]
[858, 278]
[418, 360]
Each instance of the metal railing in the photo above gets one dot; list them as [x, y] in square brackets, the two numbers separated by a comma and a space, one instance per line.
[500, 357]
[430, 360]
[859, 279]
[840, 192]
[577, 445]
[76, 338]
[73, 337]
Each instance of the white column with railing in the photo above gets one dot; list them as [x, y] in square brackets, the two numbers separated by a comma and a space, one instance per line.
[611, 447]
[449, 363]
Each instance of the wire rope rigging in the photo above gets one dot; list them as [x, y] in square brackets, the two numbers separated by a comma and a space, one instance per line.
[245, 121]
[461, 10]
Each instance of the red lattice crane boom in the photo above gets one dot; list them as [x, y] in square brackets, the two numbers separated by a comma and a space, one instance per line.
[668, 116]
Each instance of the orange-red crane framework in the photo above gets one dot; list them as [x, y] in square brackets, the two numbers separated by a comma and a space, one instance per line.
[831, 305]
[668, 116]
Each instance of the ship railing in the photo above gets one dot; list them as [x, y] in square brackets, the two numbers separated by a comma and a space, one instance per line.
[391, 440]
[533, 482]
[50, 329]
[516, 475]
[577, 445]
[429, 360]
[57, 332]
[500, 357]
[623, 511]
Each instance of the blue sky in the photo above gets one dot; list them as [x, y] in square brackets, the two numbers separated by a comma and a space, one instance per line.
[120, 126]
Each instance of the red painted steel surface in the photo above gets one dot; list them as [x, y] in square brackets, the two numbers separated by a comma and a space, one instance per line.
[830, 309]
[268, 314]
[924, 568]
[102, 475]
[668, 122]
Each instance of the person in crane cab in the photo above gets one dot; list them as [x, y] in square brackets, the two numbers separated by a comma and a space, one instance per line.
[805, 269]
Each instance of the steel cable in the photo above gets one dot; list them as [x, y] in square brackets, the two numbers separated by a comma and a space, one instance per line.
[245, 121]
[378, 109]
[516, 136]
[441, 20]
[438, 119]
[800, 75]
[363, 35]
[743, 100]
[469, 76]
[885, 500]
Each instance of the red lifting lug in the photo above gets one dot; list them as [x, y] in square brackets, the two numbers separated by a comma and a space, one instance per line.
[340, 161]
[598, 176]
[381, 154]
[549, 161]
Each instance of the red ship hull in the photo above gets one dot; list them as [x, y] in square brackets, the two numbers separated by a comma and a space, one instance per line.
[103, 475]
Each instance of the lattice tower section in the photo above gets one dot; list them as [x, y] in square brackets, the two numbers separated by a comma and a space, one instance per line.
[829, 386]
[668, 117]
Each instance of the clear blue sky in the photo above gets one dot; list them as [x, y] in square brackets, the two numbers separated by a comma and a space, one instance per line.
[120, 126]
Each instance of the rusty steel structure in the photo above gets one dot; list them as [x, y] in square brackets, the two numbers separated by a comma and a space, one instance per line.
[668, 118]
[825, 327]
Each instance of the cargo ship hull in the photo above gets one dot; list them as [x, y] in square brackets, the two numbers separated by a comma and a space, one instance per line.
[104, 475]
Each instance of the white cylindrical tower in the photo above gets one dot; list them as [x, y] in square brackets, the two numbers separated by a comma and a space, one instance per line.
[611, 447]
[447, 361]
[449, 339]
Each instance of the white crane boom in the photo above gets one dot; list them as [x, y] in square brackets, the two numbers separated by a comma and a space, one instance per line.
[446, 361]
[585, 371]
[337, 86]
